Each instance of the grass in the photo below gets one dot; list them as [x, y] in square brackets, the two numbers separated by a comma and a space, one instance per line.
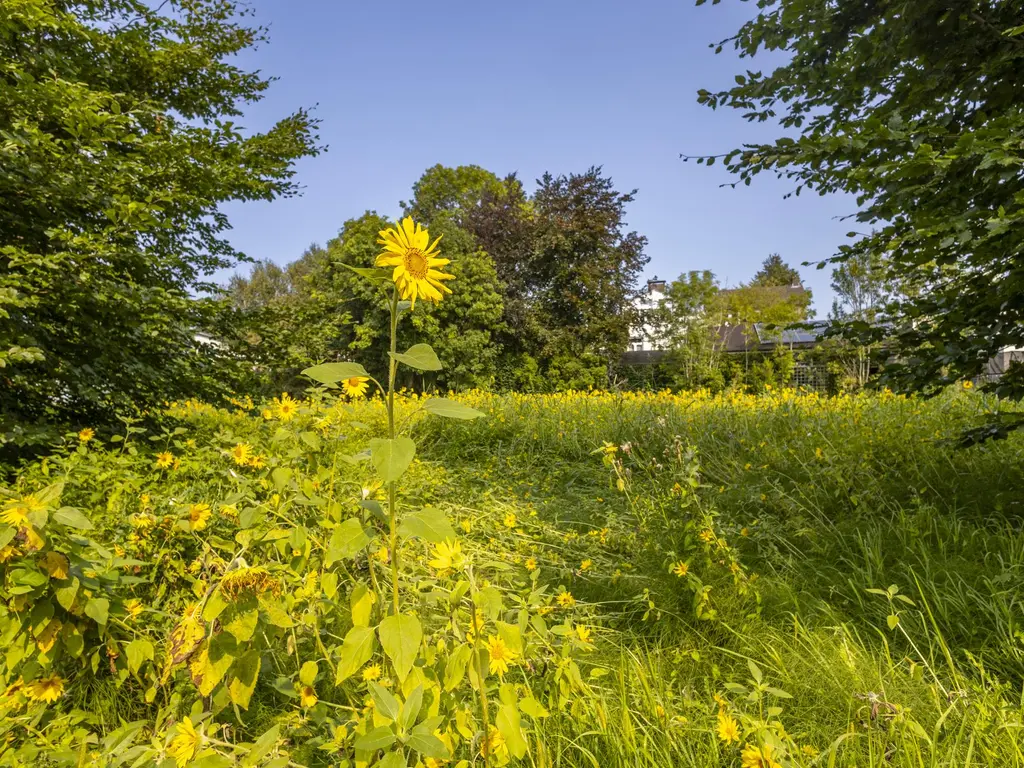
[852, 588]
[836, 498]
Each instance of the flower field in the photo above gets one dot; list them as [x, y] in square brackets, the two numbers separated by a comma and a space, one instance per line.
[582, 579]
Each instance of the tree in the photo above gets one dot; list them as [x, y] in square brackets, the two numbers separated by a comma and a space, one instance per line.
[688, 322]
[117, 148]
[583, 273]
[914, 109]
[774, 271]
[454, 191]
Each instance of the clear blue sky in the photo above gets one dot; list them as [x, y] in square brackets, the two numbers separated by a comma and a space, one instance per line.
[528, 86]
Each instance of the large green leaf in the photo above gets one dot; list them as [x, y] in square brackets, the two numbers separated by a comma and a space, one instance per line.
[139, 651]
[419, 356]
[356, 650]
[400, 637]
[346, 541]
[509, 726]
[451, 409]
[244, 674]
[72, 518]
[429, 524]
[332, 373]
[384, 702]
[392, 457]
[378, 738]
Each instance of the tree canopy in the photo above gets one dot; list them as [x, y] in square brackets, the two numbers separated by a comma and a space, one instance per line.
[915, 110]
[117, 147]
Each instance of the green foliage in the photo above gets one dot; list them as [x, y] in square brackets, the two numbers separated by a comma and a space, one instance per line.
[915, 110]
[774, 271]
[105, 234]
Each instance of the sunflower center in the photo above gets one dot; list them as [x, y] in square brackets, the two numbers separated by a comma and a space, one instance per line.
[416, 263]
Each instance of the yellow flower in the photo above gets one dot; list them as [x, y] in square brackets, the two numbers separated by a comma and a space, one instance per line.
[372, 672]
[198, 516]
[144, 500]
[46, 689]
[808, 750]
[134, 607]
[728, 728]
[448, 556]
[565, 599]
[495, 746]
[968, 384]
[500, 655]
[17, 512]
[416, 263]
[286, 407]
[86, 434]
[467, 525]
[585, 565]
[185, 744]
[56, 565]
[583, 633]
[531, 564]
[680, 569]
[241, 453]
[267, 414]
[164, 459]
[248, 580]
[707, 535]
[307, 697]
[355, 386]
[383, 555]
[758, 757]
[510, 520]
[257, 461]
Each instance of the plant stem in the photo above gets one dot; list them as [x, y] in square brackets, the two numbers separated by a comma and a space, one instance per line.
[392, 486]
[485, 710]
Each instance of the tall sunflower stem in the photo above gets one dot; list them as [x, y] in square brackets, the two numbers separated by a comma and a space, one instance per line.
[480, 671]
[393, 486]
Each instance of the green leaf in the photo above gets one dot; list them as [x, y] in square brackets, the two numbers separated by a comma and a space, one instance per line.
[356, 650]
[377, 275]
[72, 518]
[392, 457]
[139, 651]
[97, 609]
[400, 637]
[508, 724]
[386, 704]
[892, 620]
[308, 673]
[455, 668]
[66, 592]
[451, 409]
[332, 373]
[362, 600]
[411, 708]
[255, 754]
[428, 745]
[429, 524]
[346, 541]
[245, 673]
[6, 534]
[378, 738]
[419, 356]
[530, 706]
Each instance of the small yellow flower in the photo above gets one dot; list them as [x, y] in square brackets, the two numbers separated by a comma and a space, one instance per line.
[728, 728]
[583, 633]
[531, 564]
[758, 757]
[185, 744]
[46, 689]
[495, 746]
[416, 262]
[448, 556]
[467, 525]
[198, 516]
[510, 520]
[565, 599]
[144, 500]
[355, 386]
[134, 607]
[586, 564]
[372, 672]
[680, 569]
[968, 384]
[256, 461]
[86, 435]
[500, 655]
[286, 407]
[383, 555]
[307, 697]
[707, 535]
[17, 512]
[808, 750]
[164, 459]
[241, 453]
[267, 414]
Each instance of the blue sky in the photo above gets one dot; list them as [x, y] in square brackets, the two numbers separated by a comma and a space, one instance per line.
[528, 86]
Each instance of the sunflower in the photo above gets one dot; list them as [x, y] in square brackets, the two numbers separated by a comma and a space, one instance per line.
[500, 655]
[86, 434]
[164, 459]
[198, 516]
[680, 569]
[565, 599]
[448, 556]
[286, 407]
[728, 728]
[416, 265]
[241, 453]
[46, 689]
[355, 386]
[372, 672]
[758, 757]
[17, 512]
[185, 744]
[307, 696]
